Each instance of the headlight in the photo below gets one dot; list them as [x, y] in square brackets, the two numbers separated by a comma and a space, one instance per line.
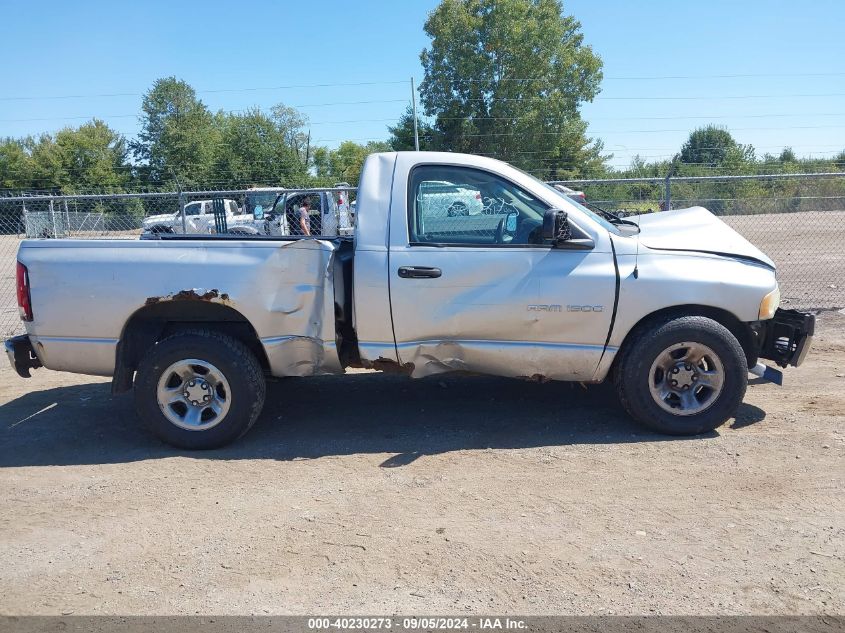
[769, 304]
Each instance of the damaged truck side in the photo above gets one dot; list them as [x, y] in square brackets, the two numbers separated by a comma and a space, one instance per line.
[520, 281]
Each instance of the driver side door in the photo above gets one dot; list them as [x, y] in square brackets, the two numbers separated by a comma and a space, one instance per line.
[474, 288]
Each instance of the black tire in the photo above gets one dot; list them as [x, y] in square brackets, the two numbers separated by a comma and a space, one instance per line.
[633, 378]
[457, 208]
[234, 361]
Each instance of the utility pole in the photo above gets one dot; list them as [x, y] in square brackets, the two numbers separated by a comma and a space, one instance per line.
[181, 203]
[307, 149]
[667, 195]
[414, 105]
[53, 219]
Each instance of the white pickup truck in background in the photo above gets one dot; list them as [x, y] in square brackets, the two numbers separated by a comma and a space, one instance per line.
[267, 211]
[676, 307]
[199, 218]
[329, 214]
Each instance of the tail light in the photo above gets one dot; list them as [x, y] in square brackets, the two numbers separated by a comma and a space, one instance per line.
[24, 300]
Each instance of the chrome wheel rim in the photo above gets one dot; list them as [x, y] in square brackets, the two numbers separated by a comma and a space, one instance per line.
[193, 395]
[686, 378]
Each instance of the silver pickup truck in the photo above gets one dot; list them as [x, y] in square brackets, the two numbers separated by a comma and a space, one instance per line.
[676, 307]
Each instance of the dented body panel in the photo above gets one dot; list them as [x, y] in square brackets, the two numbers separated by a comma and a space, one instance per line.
[487, 310]
[87, 291]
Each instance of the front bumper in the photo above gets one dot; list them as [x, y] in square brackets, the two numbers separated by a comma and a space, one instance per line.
[786, 337]
[21, 355]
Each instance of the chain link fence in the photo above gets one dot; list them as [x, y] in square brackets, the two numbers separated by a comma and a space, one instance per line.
[797, 219]
[249, 212]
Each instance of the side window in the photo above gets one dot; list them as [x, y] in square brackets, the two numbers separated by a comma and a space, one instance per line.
[462, 205]
[193, 208]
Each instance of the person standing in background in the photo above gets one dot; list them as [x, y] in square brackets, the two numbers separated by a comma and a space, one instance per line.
[304, 216]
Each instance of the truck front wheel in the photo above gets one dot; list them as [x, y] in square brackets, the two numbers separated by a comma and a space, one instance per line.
[684, 376]
[199, 389]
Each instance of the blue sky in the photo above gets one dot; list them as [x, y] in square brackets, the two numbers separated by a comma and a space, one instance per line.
[772, 72]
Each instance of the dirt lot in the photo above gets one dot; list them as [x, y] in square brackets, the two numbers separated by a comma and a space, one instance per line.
[808, 250]
[373, 494]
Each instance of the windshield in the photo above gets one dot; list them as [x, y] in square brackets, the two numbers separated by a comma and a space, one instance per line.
[263, 200]
[594, 216]
[561, 196]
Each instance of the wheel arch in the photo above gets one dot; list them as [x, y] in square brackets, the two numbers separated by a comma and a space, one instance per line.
[742, 331]
[151, 323]
[243, 230]
[160, 228]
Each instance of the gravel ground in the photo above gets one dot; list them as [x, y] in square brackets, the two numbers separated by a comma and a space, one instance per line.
[374, 494]
[808, 250]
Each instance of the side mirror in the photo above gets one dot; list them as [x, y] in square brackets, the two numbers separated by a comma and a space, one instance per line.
[556, 227]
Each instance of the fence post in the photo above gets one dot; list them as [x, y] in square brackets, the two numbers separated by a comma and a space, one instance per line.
[667, 196]
[414, 102]
[182, 211]
[52, 218]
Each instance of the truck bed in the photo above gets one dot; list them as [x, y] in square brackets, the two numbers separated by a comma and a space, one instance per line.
[88, 292]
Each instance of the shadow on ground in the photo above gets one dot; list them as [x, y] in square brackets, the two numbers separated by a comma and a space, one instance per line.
[343, 415]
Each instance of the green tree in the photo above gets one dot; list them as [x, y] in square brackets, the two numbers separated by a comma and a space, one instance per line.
[507, 78]
[344, 164]
[292, 123]
[402, 134]
[15, 164]
[178, 137]
[92, 156]
[787, 156]
[713, 146]
[255, 150]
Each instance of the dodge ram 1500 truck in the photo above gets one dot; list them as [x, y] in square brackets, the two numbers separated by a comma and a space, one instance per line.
[675, 306]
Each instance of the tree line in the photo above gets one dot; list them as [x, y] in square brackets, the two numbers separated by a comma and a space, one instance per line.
[502, 78]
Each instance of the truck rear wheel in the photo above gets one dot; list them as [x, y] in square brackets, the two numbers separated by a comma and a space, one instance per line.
[199, 389]
[684, 376]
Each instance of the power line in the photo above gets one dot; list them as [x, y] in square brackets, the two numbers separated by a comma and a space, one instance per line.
[240, 89]
[665, 98]
[661, 77]
[659, 118]
[712, 97]
[593, 132]
[474, 118]
[733, 76]
[211, 91]
[238, 111]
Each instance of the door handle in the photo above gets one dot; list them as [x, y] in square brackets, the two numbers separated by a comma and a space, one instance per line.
[419, 272]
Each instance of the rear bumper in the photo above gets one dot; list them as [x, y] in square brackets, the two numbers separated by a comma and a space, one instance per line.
[21, 355]
[786, 338]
